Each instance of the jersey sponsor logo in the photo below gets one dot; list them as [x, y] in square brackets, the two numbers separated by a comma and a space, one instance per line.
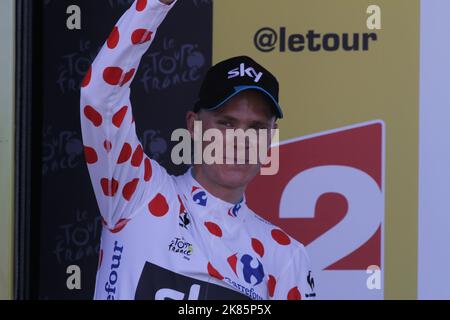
[184, 216]
[184, 220]
[111, 284]
[233, 212]
[248, 268]
[310, 281]
[250, 292]
[157, 283]
[182, 247]
[199, 196]
[171, 294]
[242, 71]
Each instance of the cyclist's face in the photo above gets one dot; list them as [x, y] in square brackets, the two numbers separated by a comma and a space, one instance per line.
[247, 110]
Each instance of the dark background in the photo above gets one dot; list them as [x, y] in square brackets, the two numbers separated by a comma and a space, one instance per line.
[65, 221]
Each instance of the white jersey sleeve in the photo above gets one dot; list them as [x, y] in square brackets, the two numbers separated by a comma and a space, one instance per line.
[296, 281]
[121, 174]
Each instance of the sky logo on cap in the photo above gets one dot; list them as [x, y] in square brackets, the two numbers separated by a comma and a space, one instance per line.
[242, 71]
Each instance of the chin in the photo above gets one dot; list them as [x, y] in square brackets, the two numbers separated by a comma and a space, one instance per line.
[235, 175]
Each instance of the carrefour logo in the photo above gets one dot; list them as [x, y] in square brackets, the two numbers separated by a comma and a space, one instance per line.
[111, 284]
[248, 268]
[199, 196]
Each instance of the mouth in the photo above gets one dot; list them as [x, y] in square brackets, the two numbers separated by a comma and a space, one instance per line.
[236, 161]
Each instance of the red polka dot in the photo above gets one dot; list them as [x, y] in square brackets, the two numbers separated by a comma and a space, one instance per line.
[119, 226]
[87, 78]
[271, 284]
[90, 155]
[140, 36]
[182, 207]
[158, 206]
[281, 237]
[112, 75]
[128, 76]
[109, 187]
[232, 261]
[141, 5]
[214, 229]
[93, 115]
[214, 273]
[107, 145]
[148, 169]
[113, 39]
[117, 119]
[138, 155]
[294, 294]
[129, 189]
[258, 247]
[125, 154]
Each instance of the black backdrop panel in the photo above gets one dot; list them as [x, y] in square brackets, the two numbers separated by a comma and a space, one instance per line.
[163, 90]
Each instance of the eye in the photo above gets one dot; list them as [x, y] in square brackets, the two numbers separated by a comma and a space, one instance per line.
[259, 127]
[225, 123]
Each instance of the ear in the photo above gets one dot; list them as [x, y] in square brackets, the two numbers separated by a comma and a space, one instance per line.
[191, 117]
[275, 125]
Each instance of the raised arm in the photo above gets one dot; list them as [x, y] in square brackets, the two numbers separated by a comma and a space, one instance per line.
[121, 174]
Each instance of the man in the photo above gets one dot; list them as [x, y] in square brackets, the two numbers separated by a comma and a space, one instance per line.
[187, 237]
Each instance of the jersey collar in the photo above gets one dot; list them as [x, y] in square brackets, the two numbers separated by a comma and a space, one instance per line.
[203, 201]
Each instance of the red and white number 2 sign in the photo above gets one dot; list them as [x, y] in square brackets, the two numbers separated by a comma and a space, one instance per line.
[329, 195]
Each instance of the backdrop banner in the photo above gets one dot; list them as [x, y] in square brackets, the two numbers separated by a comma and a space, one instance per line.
[165, 87]
[347, 188]
[349, 87]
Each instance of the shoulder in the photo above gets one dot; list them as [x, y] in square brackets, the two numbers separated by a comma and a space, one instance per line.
[277, 242]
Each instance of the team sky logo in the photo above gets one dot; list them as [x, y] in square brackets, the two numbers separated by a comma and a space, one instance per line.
[242, 71]
[199, 196]
[247, 268]
[156, 283]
